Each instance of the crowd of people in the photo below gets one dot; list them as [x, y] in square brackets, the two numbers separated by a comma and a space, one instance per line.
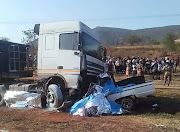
[136, 66]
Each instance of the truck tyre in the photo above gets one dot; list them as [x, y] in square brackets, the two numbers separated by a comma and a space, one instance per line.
[54, 96]
[2, 92]
[127, 103]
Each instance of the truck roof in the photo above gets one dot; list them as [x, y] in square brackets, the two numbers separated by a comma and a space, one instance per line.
[65, 26]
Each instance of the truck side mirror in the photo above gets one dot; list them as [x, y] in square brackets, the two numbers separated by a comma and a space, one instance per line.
[103, 53]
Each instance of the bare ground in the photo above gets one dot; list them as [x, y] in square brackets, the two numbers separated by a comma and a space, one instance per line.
[142, 118]
[40, 120]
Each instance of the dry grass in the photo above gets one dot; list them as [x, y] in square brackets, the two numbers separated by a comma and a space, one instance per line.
[151, 47]
[147, 51]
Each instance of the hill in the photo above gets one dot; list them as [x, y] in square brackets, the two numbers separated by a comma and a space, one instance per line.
[146, 51]
[112, 36]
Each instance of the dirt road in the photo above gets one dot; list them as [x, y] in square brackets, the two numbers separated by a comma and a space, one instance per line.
[41, 120]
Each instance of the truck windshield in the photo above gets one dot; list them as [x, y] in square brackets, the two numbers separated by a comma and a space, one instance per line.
[90, 46]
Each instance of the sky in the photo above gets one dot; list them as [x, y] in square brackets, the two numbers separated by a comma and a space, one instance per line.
[19, 15]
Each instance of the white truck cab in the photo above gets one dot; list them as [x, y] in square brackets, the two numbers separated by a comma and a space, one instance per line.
[70, 53]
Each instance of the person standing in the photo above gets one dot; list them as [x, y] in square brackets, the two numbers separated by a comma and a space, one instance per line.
[167, 72]
[140, 68]
[111, 69]
[117, 65]
[106, 67]
[154, 66]
[176, 63]
[134, 68]
[159, 69]
[128, 67]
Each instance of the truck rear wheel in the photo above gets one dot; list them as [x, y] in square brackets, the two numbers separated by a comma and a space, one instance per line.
[127, 103]
[54, 96]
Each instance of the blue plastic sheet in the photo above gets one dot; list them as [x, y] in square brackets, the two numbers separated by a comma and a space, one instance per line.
[115, 108]
[109, 88]
[119, 89]
[129, 85]
[81, 103]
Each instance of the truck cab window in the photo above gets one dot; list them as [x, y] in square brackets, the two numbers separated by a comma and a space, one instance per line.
[68, 41]
[91, 46]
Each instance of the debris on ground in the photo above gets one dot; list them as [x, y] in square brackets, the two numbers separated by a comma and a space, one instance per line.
[22, 99]
[161, 126]
[4, 130]
[155, 105]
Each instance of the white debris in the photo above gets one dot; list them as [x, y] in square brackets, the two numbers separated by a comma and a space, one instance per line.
[154, 105]
[22, 99]
[161, 126]
[103, 75]
[101, 102]
[4, 131]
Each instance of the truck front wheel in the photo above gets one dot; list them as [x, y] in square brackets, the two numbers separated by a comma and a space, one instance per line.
[54, 96]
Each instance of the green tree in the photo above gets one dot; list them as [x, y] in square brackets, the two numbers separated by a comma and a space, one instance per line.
[28, 36]
[4, 38]
[168, 41]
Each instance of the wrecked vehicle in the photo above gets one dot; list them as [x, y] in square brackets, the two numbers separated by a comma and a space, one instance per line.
[112, 98]
[69, 58]
[132, 89]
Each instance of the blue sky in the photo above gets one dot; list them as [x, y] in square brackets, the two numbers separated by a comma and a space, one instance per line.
[18, 15]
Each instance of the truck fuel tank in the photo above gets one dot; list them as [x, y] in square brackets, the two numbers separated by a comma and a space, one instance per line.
[21, 87]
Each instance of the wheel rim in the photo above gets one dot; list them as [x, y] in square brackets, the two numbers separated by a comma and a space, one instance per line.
[50, 97]
[127, 103]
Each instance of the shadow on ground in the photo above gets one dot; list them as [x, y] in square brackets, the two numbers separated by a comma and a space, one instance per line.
[165, 105]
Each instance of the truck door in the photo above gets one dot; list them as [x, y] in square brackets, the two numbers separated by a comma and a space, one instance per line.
[68, 58]
[49, 54]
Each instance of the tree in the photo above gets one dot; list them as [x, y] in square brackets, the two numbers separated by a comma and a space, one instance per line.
[168, 41]
[4, 38]
[132, 39]
[28, 36]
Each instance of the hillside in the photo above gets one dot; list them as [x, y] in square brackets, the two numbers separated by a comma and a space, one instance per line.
[141, 51]
[110, 36]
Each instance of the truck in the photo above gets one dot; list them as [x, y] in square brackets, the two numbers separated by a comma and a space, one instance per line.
[14, 61]
[69, 58]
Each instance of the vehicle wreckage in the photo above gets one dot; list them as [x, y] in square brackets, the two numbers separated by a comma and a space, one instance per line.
[69, 59]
